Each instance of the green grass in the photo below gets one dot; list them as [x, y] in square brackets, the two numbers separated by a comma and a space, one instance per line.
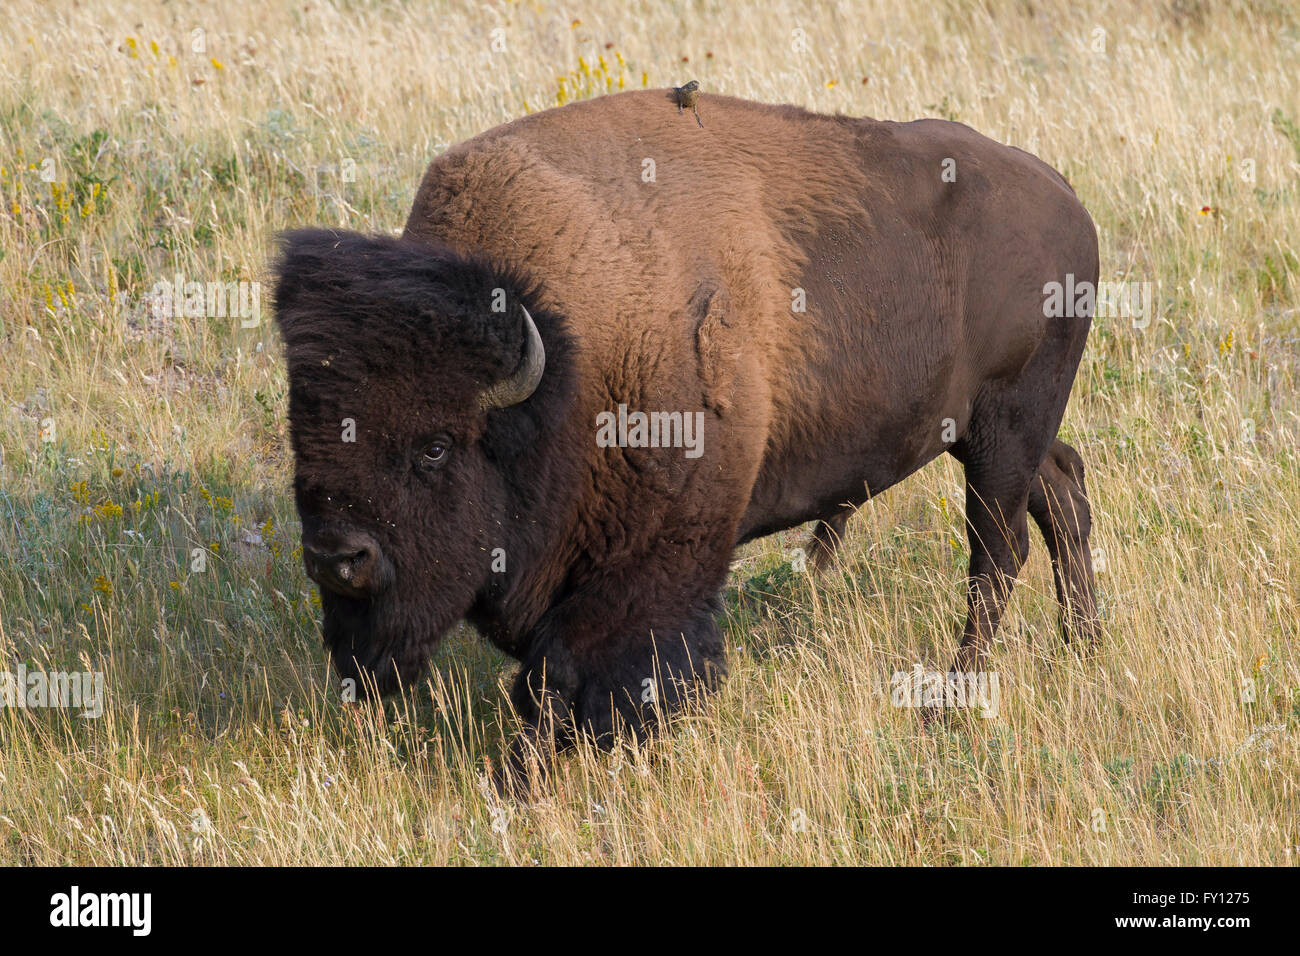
[224, 740]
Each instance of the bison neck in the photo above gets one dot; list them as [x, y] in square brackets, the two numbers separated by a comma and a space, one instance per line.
[541, 453]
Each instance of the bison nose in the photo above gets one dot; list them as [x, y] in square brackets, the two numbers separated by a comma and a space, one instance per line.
[346, 564]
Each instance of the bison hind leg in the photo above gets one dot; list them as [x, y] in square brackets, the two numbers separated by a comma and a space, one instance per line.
[1058, 501]
[1000, 453]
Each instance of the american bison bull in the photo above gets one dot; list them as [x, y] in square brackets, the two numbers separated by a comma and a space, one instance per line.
[611, 345]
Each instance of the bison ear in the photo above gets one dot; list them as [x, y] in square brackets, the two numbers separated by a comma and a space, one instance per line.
[308, 264]
[523, 381]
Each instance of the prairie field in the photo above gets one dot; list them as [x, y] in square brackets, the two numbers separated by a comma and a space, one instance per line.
[147, 527]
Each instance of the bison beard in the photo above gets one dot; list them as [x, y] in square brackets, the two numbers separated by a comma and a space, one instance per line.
[378, 643]
[536, 289]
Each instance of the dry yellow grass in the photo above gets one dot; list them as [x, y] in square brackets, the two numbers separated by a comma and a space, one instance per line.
[222, 740]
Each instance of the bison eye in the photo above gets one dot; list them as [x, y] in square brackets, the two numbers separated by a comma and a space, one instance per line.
[434, 454]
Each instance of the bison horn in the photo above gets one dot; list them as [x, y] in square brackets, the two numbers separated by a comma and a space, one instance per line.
[524, 381]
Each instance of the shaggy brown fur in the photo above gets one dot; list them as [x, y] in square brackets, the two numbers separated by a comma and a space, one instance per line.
[660, 262]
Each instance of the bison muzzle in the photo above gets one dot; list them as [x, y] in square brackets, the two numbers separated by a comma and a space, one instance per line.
[833, 301]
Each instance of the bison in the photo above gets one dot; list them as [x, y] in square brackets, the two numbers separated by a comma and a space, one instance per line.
[611, 345]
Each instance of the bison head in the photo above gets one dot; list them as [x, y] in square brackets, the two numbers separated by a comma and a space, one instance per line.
[411, 375]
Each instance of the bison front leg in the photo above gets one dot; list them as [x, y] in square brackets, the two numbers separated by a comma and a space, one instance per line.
[606, 675]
